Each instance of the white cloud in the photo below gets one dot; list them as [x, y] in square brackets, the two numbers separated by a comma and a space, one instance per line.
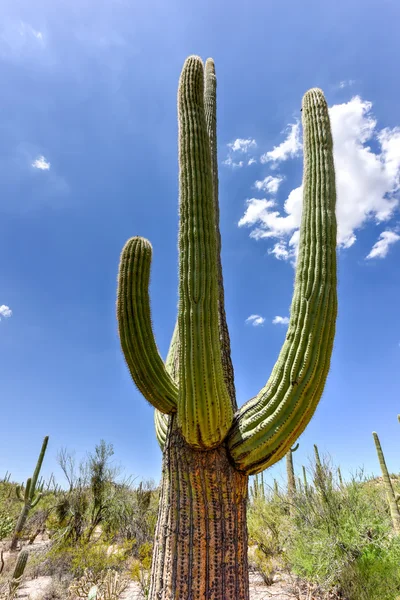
[346, 83]
[241, 145]
[255, 320]
[289, 148]
[41, 163]
[368, 182]
[229, 162]
[5, 311]
[381, 247]
[280, 320]
[269, 184]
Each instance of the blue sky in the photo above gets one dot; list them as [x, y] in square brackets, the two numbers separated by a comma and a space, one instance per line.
[88, 158]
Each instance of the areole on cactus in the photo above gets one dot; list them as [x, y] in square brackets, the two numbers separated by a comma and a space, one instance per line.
[210, 447]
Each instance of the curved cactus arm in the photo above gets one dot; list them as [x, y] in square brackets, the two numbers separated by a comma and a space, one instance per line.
[265, 428]
[135, 330]
[205, 411]
[18, 491]
[296, 447]
[210, 107]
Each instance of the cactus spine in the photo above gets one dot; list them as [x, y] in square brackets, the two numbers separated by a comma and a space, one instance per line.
[209, 447]
[393, 506]
[30, 498]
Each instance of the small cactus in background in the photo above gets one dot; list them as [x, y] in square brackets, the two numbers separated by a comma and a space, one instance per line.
[341, 483]
[291, 479]
[210, 447]
[393, 505]
[29, 498]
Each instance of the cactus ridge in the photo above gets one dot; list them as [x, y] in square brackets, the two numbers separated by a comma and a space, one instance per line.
[197, 380]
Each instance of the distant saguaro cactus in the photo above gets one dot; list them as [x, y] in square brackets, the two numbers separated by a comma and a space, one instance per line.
[392, 500]
[291, 480]
[209, 446]
[30, 497]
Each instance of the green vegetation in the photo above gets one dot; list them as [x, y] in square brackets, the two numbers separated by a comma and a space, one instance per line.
[30, 497]
[336, 536]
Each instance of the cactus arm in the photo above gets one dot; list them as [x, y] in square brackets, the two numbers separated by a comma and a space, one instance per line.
[265, 428]
[19, 493]
[161, 422]
[39, 464]
[28, 490]
[36, 499]
[210, 107]
[205, 410]
[390, 494]
[135, 329]
[296, 447]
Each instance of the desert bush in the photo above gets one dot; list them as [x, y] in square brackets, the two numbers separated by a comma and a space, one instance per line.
[107, 585]
[140, 568]
[338, 537]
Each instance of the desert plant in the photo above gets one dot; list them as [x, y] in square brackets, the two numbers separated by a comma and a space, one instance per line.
[291, 480]
[390, 494]
[209, 446]
[6, 525]
[107, 585]
[30, 498]
[17, 575]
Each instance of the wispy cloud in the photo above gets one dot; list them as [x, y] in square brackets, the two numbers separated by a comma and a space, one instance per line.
[255, 320]
[5, 311]
[269, 184]
[229, 162]
[237, 148]
[41, 163]
[346, 83]
[368, 183]
[289, 148]
[280, 320]
[241, 145]
[381, 247]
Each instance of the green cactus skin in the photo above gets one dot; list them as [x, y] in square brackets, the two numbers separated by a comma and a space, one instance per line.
[291, 480]
[135, 329]
[341, 483]
[209, 446]
[30, 498]
[305, 482]
[266, 426]
[391, 497]
[18, 573]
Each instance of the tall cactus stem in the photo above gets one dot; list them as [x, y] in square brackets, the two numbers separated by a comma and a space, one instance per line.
[393, 507]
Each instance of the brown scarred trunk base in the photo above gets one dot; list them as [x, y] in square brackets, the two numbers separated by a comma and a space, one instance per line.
[200, 550]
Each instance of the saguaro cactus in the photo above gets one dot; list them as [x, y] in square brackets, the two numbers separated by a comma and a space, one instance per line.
[391, 496]
[30, 498]
[209, 446]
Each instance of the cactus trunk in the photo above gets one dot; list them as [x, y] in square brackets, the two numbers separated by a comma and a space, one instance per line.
[200, 546]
